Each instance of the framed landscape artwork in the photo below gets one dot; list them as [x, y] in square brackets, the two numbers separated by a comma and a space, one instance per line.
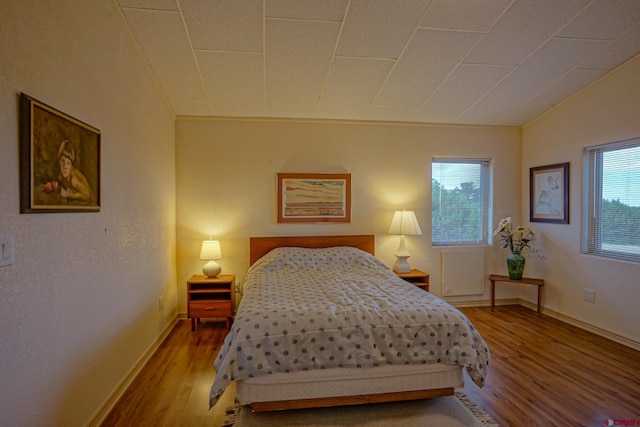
[309, 197]
[59, 161]
[549, 193]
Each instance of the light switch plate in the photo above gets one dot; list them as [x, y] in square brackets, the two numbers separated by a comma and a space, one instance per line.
[589, 295]
[6, 251]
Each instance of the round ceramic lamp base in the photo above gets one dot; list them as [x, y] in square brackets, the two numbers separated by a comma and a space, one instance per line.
[211, 269]
[401, 265]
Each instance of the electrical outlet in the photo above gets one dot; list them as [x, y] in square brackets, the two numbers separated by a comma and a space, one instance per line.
[161, 303]
[589, 295]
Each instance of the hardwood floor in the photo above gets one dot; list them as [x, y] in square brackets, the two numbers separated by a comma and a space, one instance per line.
[173, 388]
[543, 372]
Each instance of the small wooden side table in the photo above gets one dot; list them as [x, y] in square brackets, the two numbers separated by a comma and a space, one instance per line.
[417, 277]
[210, 297]
[526, 280]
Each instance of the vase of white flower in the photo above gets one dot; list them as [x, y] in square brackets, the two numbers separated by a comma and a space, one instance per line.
[516, 240]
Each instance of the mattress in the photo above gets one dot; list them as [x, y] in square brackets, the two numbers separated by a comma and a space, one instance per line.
[338, 382]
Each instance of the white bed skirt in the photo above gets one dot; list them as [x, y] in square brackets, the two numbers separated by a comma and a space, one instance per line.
[348, 382]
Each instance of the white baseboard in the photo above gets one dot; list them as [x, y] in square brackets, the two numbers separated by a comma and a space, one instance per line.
[115, 396]
[570, 320]
[484, 302]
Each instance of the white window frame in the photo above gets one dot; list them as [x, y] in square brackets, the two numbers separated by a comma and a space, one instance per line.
[486, 187]
[592, 202]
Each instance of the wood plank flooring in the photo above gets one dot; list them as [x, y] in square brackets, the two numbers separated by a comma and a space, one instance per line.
[543, 372]
[173, 388]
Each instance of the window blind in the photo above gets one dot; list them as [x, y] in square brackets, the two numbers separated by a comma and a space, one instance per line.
[612, 181]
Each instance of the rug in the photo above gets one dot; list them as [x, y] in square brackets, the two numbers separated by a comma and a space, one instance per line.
[450, 411]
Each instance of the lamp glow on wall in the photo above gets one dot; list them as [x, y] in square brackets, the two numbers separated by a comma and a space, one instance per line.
[404, 223]
[211, 251]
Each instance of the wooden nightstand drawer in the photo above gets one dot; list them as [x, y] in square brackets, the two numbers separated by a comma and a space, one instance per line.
[210, 309]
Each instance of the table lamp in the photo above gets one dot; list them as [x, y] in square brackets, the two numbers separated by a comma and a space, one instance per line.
[211, 251]
[403, 223]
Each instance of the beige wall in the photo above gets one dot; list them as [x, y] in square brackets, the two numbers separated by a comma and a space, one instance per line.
[226, 173]
[607, 111]
[79, 305]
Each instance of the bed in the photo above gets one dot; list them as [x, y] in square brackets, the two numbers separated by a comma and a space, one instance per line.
[322, 322]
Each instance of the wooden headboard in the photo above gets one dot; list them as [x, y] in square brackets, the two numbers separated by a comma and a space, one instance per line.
[260, 246]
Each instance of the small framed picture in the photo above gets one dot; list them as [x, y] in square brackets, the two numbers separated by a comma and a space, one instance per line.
[549, 193]
[59, 161]
[312, 197]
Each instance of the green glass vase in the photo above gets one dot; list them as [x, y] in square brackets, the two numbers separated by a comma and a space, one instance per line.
[515, 265]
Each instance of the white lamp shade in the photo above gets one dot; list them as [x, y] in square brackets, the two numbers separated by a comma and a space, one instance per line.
[405, 223]
[210, 250]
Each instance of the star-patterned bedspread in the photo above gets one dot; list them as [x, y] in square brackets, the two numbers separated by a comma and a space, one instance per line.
[308, 309]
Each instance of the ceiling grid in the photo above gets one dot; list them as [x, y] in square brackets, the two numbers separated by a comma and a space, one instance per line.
[495, 62]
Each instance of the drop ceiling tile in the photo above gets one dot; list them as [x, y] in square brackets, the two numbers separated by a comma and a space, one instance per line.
[326, 10]
[291, 109]
[224, 25]
[524, 27]
[353, 83]
[623, 48]
[464, 14]
[298, 56]
[150, 4]
[191, 107]
[551, 96]
[234, 82]
[163, 41]
[603, 19]
[379, 28]
[427, 61]
[461, 90]
[549, 64]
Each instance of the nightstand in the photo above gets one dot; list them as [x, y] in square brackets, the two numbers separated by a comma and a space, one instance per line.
[417, 277]
[210, 298]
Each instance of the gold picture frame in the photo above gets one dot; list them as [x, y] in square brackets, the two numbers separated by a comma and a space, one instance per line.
[312, 197]
[59, 161]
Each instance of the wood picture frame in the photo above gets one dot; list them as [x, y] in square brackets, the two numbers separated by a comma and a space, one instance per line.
[313, 197]
[59, 160]
[549, 193]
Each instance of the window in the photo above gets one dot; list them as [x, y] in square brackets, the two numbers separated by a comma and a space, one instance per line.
[460, 195]
[611, 223]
